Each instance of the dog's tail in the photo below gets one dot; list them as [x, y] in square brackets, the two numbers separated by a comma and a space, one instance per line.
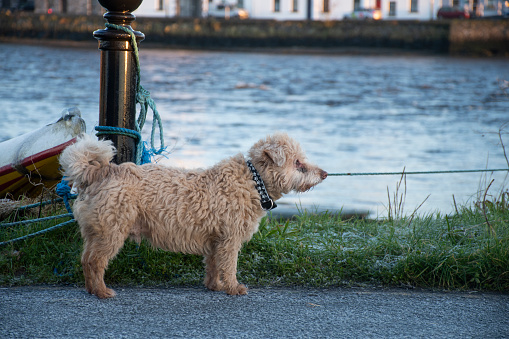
[82, 161]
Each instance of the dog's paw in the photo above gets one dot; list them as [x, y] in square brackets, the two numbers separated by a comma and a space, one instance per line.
[214, 285]
[105, 294]
[237, 290]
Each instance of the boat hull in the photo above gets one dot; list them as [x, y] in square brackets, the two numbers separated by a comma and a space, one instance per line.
[29, 163]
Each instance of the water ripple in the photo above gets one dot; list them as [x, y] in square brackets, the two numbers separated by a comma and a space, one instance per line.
[350, 113]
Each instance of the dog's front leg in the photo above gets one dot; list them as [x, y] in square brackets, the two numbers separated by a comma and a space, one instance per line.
[227, 252]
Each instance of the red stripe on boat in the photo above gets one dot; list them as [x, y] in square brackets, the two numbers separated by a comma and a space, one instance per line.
[45, 154]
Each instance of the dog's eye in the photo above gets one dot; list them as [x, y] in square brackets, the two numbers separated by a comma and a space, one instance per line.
[300, 167]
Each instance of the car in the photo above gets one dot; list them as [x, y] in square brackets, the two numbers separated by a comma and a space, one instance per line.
[365, 14]
[453, 13]
[228, 11]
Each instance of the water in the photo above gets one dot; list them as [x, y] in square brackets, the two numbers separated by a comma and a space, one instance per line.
[350, 113]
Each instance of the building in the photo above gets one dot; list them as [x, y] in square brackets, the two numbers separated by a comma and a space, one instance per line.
[427, 9]
[281, 9]
[257, 9]
[410, 9]
[293, 9]
[79, 7]
[172, 8]
[25, 5]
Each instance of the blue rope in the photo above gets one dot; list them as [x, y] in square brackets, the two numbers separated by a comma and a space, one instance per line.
[64, 190]
[33, 221]
[103, 130]
[37, 204]
[65, 223]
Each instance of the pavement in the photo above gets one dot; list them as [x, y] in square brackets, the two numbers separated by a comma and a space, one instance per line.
[70, 312]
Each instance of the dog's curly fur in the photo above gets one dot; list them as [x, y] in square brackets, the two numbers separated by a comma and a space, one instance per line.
[209, 212]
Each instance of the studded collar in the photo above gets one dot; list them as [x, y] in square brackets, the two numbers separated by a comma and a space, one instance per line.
[265, 200]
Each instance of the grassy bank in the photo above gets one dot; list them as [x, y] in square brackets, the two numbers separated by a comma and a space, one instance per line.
[466, 250]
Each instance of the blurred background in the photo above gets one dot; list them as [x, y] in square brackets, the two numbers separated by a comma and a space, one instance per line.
[377, 109]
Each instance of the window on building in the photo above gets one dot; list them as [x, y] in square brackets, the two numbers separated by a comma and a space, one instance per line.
[326, 6]
[276, 6]
[159, 5]
[492, 4]
[295, 5]
[356, 4]
[414, 7]
[392, 8]
[456, 2]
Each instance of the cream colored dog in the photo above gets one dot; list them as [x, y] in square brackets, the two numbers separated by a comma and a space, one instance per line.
[209, 212]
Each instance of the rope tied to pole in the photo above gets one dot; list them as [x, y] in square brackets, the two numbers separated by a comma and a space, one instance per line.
[144, 153]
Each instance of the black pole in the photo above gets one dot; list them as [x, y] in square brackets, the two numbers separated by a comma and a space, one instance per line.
[117, 102]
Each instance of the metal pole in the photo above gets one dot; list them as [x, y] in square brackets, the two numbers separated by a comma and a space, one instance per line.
[117, 102]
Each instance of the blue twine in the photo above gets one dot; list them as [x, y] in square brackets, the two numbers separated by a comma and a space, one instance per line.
[33, 221]
[38, 204]
[103, 130]
[146, 154]
[64, 190]
[65, 223]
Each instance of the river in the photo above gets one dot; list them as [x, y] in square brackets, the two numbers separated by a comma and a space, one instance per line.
[351, 113]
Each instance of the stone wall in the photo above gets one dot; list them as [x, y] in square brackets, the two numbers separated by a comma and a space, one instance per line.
[474, 37]
[431, 36]
[480, 37]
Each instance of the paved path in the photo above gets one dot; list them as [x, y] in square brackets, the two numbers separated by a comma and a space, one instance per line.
[66, 312]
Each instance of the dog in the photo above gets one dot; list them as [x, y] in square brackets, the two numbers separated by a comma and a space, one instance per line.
[209, 212]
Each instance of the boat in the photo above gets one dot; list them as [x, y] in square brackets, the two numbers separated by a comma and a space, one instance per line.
[29, 162]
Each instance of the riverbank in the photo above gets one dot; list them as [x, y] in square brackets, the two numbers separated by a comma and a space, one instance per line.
[468, 250]
[455, 37]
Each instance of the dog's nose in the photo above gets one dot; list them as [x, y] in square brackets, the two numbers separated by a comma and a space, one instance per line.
[323, 175]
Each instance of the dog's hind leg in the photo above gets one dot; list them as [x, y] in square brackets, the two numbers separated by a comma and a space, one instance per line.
[96, 255]
[226, 261]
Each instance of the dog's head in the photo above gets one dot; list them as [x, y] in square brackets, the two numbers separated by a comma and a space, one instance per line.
[283, 165]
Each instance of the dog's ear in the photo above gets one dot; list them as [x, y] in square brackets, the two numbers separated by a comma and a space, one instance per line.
[275, 155]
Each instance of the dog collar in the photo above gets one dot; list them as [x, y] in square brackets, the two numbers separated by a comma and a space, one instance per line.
[265, 200]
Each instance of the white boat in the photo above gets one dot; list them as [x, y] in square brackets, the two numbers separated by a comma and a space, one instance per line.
[29, 162]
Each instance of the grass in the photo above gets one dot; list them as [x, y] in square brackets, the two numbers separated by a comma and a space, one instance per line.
[466, 250]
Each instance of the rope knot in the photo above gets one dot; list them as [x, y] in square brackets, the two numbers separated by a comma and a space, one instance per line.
[64, 190]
